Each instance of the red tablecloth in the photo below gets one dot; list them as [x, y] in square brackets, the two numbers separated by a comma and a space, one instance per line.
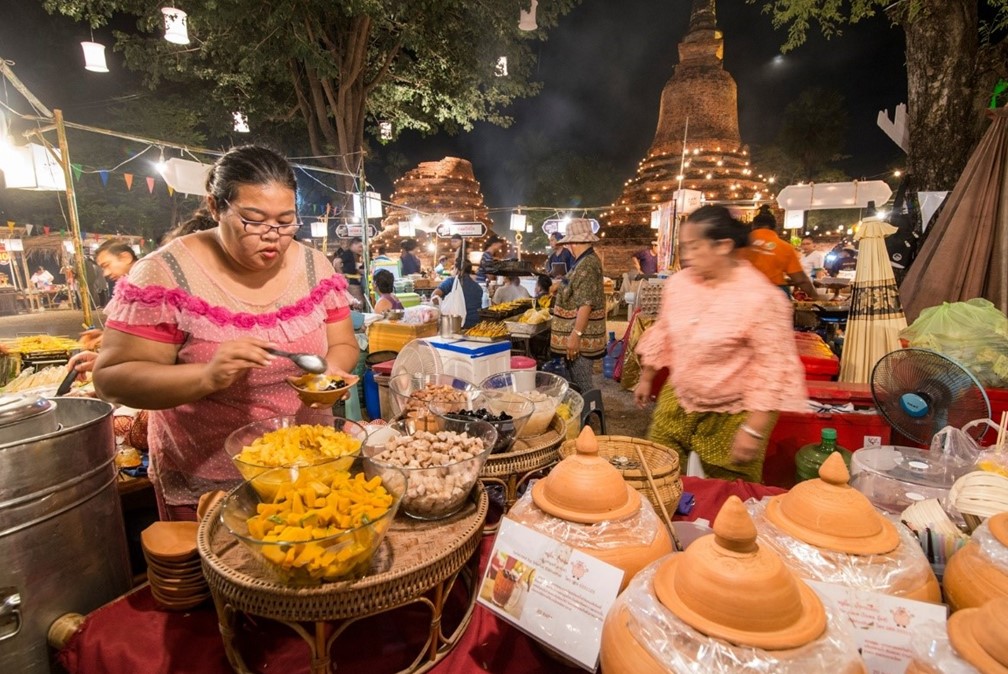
[132, 635]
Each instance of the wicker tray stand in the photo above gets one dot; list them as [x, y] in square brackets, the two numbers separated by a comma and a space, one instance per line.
[527, 458]
[407, 569]
[663, 462]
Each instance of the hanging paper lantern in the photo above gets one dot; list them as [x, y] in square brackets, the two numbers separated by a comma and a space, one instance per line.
[94, 57]
[175, 23]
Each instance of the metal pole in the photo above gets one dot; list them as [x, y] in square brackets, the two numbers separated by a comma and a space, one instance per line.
[75, 234]
[366, 255]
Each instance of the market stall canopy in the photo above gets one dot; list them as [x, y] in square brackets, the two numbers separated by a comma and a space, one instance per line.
[820, 196]
[965, 253]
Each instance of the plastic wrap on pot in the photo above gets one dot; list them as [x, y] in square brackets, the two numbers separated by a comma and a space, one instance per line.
[638, 529]
[932, 651]
[990, 548]
[899, 572]
[677, 647]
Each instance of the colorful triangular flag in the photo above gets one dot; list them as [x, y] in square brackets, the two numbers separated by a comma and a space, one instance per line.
[171, 191]
[128, 177]
[28, 229]
[150, 184]
[104, 178]
[77, 169]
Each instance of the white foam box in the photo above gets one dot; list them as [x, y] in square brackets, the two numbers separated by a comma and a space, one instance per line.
[472, 361]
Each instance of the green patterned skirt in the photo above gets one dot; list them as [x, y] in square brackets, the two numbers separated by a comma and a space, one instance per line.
[709, 434]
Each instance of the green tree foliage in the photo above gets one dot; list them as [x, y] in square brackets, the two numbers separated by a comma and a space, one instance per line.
[956, 50]
[338, 68]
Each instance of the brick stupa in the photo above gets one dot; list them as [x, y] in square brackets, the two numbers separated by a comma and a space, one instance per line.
[436, 191]
[699, 102]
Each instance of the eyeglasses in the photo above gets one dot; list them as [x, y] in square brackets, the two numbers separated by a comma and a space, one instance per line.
[262, 228]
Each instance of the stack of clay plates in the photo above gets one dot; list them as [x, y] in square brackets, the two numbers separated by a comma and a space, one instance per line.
[173, 565]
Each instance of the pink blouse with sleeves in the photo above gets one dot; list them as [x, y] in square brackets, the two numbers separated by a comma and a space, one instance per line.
[728, 347]
[169, 296]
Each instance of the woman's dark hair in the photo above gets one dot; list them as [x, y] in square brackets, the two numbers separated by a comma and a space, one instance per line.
[543, 284]
[717, 224]
[116, 248]
[408, 245]
[245, 165]
[384, 281]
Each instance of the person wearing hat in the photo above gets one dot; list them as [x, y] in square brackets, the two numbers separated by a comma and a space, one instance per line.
[775, 257]
[560, 260]
[579, 308]
[645, 261]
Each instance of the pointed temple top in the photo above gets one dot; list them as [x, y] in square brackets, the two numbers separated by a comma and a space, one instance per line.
[702, 16]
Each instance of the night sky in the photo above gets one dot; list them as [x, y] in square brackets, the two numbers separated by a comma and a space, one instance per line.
[603, 70]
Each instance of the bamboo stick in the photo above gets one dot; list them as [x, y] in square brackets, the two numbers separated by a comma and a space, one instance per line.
[661, 504]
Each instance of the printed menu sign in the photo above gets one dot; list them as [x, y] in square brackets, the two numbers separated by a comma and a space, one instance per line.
[882, 625]
[556, 594]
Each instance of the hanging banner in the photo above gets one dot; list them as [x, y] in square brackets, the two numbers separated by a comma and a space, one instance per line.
[104, 178]
[128, 177]
[818, 196]
[150, 184]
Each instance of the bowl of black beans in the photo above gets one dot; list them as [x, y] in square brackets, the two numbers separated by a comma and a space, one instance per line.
[508, 419]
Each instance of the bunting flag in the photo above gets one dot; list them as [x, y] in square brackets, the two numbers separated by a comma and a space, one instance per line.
[150, 184]
[45, 229]
[171, 191]
[77, 169]
[28, 229]
[10, 226]
[104, 178]
[128, 177]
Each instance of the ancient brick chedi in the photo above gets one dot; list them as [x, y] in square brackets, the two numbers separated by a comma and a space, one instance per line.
[699, 103]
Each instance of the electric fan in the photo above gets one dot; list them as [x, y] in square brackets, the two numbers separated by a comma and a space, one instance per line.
[417, 357]
[920, 392]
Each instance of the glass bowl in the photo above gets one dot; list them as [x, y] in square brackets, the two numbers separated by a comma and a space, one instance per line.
[544, 389]
[569, 409]
[306, 385]
[434, 491]
[322, 460]
[302, 554]
[409, 393]
[508, 430]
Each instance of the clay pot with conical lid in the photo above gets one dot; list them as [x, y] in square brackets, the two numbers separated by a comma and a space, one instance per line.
[727, 587]
[829, 514]
[979, 636]
[972, 578]
[585, 488]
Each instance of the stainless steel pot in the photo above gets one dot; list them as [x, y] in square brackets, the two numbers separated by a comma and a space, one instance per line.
[450, 325]
[62, 542]
[26, 416]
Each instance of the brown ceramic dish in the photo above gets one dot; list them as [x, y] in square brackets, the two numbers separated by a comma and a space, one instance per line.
[170, 541]
[970, 578]
[979, 636]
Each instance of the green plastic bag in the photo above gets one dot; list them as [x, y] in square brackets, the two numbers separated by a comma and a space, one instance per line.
[975, 333]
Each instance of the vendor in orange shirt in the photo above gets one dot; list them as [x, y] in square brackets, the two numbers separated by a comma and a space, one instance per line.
[775, 257]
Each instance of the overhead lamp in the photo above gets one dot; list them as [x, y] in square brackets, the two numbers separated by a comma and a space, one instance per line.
[175, 24]
[527, 20]
[94, 57]
[240, 122]
[161, 165]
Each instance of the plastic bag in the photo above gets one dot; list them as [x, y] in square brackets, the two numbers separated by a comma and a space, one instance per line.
[974, 333]
[454, 303]
[956, 443]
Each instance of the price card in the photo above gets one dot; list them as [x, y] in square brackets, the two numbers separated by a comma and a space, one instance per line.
[881, 625]
[554, 593]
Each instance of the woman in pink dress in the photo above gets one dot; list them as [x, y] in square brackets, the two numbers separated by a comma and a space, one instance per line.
[726, 336]
[188, 329]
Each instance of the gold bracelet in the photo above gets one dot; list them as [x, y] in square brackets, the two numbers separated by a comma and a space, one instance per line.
[748, 430]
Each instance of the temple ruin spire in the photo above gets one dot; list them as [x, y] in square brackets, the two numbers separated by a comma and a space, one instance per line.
[702, 16]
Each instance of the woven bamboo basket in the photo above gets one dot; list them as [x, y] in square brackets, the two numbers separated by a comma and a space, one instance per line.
[663, 462]
[528, 454]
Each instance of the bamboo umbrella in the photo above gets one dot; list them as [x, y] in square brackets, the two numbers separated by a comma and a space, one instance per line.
[876, 315]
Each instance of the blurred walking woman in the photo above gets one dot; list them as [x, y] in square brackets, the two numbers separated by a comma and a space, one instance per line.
[188, 329]
[726, 335]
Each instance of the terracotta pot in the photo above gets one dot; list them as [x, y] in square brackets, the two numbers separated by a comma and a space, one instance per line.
[621, 652]
[829, 514]
[970, 578]
[920, 668]
[978, 636]
[587, 489]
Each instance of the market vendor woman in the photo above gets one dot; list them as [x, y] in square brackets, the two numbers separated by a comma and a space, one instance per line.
[188, 329]
[726, 336]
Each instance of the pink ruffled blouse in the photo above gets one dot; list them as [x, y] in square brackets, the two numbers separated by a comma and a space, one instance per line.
[730, 347]
[169, 296]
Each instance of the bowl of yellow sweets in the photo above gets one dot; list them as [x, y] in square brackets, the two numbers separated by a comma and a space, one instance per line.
[321, 448]
[316, 528]
[321, 390]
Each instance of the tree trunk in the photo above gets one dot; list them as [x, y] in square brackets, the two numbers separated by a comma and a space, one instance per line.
[941, 52]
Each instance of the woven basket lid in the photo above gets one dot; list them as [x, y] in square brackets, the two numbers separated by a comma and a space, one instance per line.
[999, 527]
[978, 635]
[828, 513]
[728, 587]
[585, 488]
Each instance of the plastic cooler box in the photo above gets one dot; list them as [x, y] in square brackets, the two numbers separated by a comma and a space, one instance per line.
[472, 361]
[820, 363]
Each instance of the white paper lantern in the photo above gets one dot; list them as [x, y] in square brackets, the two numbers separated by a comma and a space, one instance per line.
[518, 222]
[175, 25]
[94, 57]
[319, 229]
[374, 205]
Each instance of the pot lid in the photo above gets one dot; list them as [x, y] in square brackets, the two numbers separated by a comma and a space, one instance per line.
[828, 513]
[977, 634]
[728, 587]
[585, 488]
[998, 525]
[18, 407]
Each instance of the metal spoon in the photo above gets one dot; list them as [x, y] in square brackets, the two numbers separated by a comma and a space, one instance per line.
[308, 362]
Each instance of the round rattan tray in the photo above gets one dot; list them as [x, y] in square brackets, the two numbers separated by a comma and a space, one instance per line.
[419, 561]
[619, 450]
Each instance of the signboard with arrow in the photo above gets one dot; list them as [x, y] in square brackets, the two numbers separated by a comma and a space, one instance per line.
[463, 229]
[352, 231]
